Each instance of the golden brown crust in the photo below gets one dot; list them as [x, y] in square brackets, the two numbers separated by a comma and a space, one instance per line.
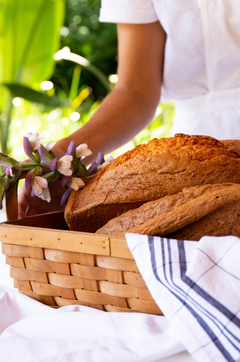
[148, 172]
[190, 214]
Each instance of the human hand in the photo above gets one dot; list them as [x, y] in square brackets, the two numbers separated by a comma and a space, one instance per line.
[28, 205]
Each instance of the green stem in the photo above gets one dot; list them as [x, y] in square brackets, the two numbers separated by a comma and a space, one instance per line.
[31, 165]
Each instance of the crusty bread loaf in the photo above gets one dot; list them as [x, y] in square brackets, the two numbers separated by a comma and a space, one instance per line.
[148, 172]
[190, 214]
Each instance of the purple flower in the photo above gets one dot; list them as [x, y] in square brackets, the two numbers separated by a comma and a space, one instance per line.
[46, 156]
[71, 149]
[92, 169]
[65, 197]
[65, 180]
[53, 164]
[6, 170]
[34, 140]
[27, 148]
[100, 158]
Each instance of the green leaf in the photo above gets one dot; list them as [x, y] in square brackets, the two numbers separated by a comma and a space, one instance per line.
[29, 36]
[19, 90]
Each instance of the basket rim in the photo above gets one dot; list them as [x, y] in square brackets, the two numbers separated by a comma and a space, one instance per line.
[24, 232]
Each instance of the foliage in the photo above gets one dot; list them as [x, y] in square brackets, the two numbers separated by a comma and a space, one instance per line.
[86, 36]
[29, 37]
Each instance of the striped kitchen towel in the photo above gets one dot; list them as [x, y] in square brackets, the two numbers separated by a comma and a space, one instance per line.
[197, 287]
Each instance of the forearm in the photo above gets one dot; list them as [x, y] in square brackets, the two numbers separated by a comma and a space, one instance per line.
[131, 105]
[123, 113]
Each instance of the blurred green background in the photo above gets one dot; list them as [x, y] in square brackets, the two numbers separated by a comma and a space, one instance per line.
[57, 63]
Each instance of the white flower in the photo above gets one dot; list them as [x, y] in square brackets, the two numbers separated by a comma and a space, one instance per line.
[83, 151]
[108, 160]
[39, 183]
[64, 165]
[34, 140]
[45, 195]
[76, 183]
[49, 145]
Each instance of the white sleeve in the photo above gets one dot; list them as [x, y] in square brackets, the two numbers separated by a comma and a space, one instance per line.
[127, 11]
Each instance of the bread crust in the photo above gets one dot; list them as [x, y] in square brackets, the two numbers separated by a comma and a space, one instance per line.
[189, 214]
[148, 172]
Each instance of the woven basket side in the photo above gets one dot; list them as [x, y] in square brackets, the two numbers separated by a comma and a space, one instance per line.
[59, 278]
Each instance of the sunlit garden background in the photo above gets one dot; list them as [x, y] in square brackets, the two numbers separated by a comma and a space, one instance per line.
[57, 63]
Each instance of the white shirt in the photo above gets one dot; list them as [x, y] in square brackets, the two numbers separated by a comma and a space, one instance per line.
[202, 59]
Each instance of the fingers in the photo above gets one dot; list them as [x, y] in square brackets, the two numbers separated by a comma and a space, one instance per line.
[24, 198]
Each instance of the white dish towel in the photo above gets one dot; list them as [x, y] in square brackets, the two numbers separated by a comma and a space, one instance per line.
[197, 287]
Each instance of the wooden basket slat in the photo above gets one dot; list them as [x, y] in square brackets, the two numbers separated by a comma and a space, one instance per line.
[34, 296]
[144, 306]
[119, 290]
[15, 250]
[93, 297]
[114, 263]
[65, 281]
[114, 276]
[144, 294]
[48, 238]
[90, 285]
[112, 308]
[23, 285]
[59, 267]
[43, 289]
[62, 302]
[134, 279]
[26, 274]
[62, 256]
[47, 266]
[15, 261]
[36, 252]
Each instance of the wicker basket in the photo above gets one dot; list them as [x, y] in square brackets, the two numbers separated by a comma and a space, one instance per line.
[59, 267]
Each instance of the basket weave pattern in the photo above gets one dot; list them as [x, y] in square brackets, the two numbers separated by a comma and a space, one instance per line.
[58, 277]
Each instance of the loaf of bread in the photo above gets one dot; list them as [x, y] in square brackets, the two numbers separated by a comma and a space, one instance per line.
[190, 214]
[149, 172]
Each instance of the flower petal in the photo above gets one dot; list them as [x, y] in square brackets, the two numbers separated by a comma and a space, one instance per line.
[92, 169]
[109, 158]
[37, 143]
[76, 183]
[45, 195]
[27, 148]
[83, 150]
[49, 145]
[36, 188]
[100, 158]
[53, 164]
[41, 181]
[45, 155]
[71, 149]
[64, 164]
[65, 180]
[28, 179]
[6, 170]
[65, 197]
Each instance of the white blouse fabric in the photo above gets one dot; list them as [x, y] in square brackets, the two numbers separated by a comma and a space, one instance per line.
[202, 59]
